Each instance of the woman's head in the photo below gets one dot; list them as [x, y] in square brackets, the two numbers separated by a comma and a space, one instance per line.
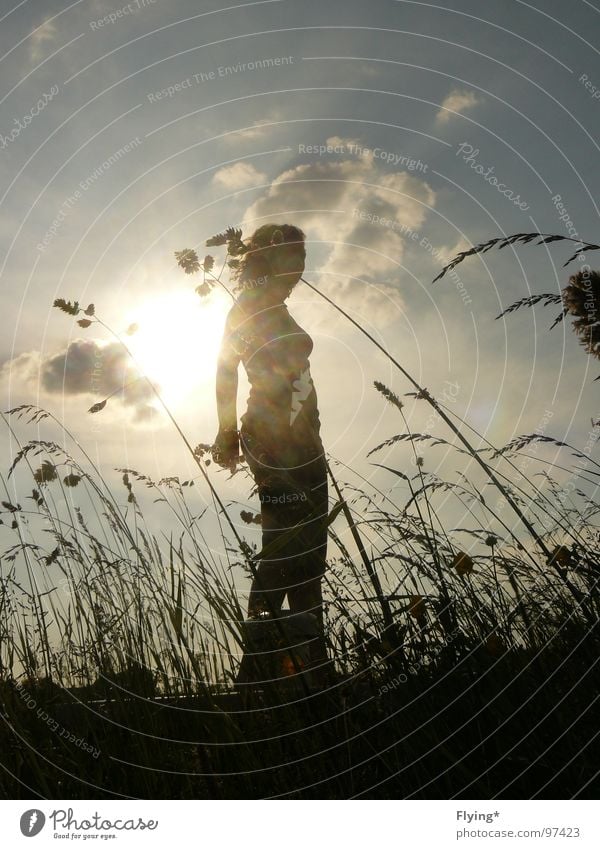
[273, 262]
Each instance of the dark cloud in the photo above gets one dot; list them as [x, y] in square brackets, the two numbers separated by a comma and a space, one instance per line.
[86, 368]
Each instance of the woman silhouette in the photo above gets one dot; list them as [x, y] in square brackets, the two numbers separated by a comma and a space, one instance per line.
[279, 432]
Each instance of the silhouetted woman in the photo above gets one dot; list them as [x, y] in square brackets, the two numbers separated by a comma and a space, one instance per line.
[279, 435]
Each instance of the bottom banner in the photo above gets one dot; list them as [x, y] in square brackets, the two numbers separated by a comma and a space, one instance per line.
[265, 824]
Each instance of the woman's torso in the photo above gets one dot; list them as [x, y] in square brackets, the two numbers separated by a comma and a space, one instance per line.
[282, 403]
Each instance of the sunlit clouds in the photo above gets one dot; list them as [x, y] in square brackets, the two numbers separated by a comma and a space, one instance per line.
[238, 176]
[177, 342]
[172, 346]
[358, 212]
[457, 102]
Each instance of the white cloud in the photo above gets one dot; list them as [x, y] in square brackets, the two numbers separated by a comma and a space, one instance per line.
[446, 252]
[23, 368]
[38, 38]
[360, 208]
[255, 133]
[456, 102]
[260, 129]
[240, 175]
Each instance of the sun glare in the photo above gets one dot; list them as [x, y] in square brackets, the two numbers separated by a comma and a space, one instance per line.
[177, 340]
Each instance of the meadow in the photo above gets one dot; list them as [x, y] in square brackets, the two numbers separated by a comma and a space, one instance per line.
[465, 658]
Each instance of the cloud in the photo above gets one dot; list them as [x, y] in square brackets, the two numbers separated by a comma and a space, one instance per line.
[360, 207]
[456, 102]
[260, 129]
[446, 253]
[37, 39]
[257, 132]
[85, 368]
[25, 366]
[240, 175]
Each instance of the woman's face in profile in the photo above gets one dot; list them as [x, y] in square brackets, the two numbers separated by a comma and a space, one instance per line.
[288, 270]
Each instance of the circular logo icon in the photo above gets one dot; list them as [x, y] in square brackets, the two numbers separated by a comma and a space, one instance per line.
[32, 822]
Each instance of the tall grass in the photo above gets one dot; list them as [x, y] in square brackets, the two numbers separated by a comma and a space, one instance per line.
[466, 657]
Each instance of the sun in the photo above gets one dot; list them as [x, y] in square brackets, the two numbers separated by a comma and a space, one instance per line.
[177, 340]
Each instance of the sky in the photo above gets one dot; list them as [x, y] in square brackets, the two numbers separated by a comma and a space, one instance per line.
[395, 133]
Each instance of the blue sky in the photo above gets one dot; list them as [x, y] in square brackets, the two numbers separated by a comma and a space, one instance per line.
[366, 123]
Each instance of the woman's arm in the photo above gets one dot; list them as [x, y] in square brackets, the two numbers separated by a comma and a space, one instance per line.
[226, 442]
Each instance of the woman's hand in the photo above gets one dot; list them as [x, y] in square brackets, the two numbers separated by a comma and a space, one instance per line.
[226, 448]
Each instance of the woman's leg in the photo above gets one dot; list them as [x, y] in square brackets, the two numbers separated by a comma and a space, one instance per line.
[269, 586]
[292, 498]
[308, 598]
[310, 562]
[267, 590]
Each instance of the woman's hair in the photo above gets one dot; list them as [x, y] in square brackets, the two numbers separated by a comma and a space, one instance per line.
[264, 245]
